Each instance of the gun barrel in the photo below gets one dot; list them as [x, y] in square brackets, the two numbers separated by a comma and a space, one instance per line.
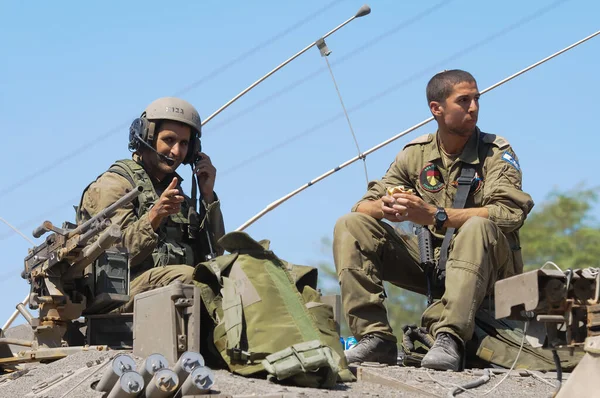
[91, 232]
[108, 212]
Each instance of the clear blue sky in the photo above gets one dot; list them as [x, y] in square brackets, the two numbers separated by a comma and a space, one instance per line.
[75, 74]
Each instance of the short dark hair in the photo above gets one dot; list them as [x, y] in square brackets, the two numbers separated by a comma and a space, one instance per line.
[440, 85]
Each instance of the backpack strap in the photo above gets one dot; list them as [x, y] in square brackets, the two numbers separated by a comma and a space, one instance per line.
[136, 175]
[464, 185]
[121, 168]
[233, 315]
[233, 318]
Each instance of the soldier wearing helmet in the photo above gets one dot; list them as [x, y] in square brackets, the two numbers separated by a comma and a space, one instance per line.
[162, 231]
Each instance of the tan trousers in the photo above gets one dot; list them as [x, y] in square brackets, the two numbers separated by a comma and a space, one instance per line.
[367, 252]
[155, 278]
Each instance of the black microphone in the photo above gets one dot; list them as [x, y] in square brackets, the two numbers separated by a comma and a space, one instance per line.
[166, 159]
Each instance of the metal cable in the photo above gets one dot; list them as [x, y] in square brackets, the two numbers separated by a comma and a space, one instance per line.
[109, 359]
[360, 154]
[364, 10]
[278, 202]
[514, 363]
[390, 89]
[338, 61]
[83, 148]
[540, 378]
[486, 377]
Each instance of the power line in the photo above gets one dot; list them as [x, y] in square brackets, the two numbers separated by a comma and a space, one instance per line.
[17, 231]
[57, 162]
[40, 217]
[432, 68]
[271, 40]
[88, 145]
[402, 25]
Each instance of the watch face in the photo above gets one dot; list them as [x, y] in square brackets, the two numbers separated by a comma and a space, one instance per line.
[441, 216]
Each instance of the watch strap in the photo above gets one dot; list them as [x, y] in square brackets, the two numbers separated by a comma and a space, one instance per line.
[439, 223]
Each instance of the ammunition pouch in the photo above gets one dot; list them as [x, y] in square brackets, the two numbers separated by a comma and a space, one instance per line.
[169, 253]
[302, 359]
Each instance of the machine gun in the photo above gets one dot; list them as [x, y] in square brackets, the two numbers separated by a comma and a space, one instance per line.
[564, 307]
[56, 271]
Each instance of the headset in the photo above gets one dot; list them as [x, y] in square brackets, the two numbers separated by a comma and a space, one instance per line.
[142, 133]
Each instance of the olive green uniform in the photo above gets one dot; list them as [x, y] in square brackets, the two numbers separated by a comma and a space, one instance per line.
[368, 251]
[156, 258]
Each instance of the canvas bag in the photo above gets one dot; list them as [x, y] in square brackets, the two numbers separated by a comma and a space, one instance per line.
[267, 316]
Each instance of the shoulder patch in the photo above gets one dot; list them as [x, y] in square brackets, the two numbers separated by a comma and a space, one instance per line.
[508, 157]
[424, 139]
[494, 139]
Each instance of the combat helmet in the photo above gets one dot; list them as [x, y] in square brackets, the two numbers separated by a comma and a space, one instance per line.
[166, 108]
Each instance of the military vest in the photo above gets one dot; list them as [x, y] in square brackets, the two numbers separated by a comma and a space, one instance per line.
[176, 243]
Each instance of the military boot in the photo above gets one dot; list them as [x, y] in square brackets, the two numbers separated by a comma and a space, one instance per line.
[372, 348]
[444, 355]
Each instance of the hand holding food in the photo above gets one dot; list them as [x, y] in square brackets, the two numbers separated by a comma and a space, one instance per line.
[400, 189]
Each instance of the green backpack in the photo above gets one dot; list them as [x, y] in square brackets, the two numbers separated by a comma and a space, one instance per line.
[267, 318]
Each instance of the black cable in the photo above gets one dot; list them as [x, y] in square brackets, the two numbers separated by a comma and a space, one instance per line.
[432, 68]
[472, 384]
[558, 371]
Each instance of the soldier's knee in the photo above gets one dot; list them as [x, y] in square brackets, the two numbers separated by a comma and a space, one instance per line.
[346, 222]
[183, 273]
[478, 225]
[478, 229]
[352, 232]
[352, 223]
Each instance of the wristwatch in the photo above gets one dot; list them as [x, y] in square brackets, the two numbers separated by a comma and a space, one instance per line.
[440, 217]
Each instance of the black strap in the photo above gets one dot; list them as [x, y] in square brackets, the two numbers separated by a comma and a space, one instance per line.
[464, 186]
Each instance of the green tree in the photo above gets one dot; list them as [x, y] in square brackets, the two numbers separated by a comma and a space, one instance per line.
[563, 230]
